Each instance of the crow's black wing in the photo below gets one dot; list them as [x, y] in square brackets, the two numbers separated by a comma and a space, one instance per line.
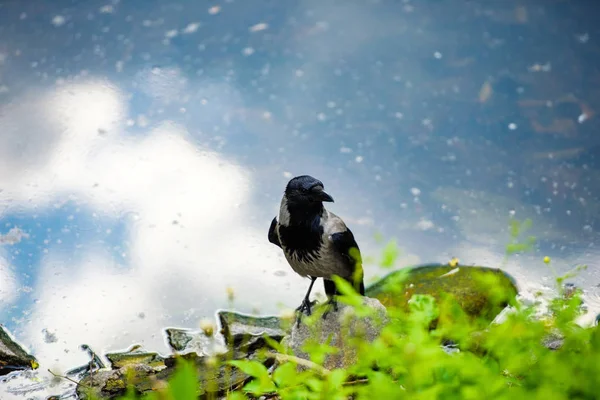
[273, 236]
[346, 245]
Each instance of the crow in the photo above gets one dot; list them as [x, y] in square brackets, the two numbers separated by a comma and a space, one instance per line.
[316, 242]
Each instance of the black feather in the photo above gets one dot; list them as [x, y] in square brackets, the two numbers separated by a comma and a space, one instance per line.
[302, 240]
[273, 236]
[346, 245]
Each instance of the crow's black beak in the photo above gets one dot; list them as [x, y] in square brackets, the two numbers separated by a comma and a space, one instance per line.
[320, 195]
[326, 197]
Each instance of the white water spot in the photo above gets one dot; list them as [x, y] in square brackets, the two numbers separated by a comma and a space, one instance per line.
[248, 51]
[359, 159]
[191, 28]
[171, 33]
[415, 191]
[582, 118]
[425, 224]
[451, 272]
[107, 9]
[287, 174]
[345, 150]
[58, 20]
[259, 27]
[437, 55]
[583, 38]
[214, 10]
[512, 126]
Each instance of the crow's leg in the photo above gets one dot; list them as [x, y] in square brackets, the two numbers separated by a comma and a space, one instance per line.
[305, 306]
[331, 292]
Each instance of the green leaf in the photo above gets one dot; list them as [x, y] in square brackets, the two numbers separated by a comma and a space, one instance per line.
[423, 308]
[315, 384]
[184, 384]
[251, 367]
[253, 387]
[285, 375]
[236, 396]
[337, 377]
[390, 254]
[262, 382]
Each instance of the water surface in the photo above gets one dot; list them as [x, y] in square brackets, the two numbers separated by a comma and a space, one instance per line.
[145, 145]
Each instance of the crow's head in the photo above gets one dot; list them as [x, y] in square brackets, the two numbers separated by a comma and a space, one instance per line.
[306, 190]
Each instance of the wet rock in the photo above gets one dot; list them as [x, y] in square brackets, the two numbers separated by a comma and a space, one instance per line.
[553, 341]
[480, 291]
[134, 357]
[178, 339]
[215, 377]
[193, 341]
[12, 356]
[338, 325]
[239, 329]
[110, 384]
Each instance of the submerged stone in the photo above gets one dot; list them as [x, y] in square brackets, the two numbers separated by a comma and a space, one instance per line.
[481, 292]
[134, 357]
[12, 356]
[215, 376]
[192, 341]
[240, 329]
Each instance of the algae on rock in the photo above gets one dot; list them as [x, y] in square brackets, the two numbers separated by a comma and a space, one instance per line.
[480, 291]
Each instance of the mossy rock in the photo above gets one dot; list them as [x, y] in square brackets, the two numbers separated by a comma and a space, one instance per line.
[124, 359]
[12, 355]
[481, 292]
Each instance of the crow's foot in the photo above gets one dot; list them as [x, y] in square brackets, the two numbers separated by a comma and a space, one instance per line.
[305, 306]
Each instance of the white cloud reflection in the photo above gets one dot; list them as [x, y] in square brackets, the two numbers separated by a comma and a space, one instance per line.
[188, 227]
[8, 283]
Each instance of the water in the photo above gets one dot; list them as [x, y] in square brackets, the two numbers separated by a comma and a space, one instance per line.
[145, 145]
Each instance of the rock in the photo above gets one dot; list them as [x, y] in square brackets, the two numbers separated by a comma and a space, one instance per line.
[553, 341]
[12, 356]
[481, 292]
[133, 357]
[241, 328]
[193, 341]
[146, 371]
[211, 381]
[338, 323]
[178, 339]
[110, 384]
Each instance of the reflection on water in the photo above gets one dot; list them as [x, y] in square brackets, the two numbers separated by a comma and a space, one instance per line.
[144, 148]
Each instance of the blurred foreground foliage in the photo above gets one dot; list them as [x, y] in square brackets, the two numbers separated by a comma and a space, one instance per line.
[506, 360]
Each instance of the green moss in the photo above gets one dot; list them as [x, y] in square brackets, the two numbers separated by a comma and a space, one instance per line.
[479, 291]
[114, 385]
